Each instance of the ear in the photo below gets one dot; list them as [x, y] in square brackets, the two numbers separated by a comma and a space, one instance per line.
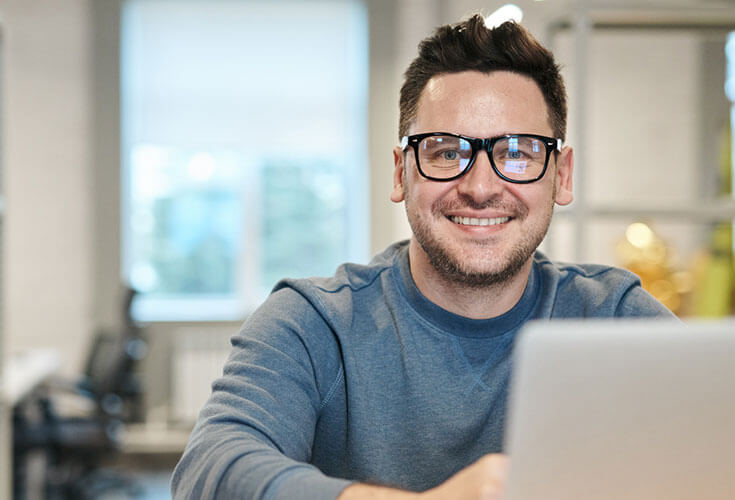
[563, 178]
[396, 195]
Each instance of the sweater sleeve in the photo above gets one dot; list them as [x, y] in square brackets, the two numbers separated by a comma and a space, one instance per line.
[637, 302]
[254, 436]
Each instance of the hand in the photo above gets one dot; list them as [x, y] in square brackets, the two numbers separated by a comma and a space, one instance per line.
[483, 480]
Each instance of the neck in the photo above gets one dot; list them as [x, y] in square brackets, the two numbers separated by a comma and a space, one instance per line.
[458, 298]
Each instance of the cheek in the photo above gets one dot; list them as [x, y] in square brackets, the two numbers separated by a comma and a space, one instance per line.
[427, 197]
[536, 195]
[542, 202]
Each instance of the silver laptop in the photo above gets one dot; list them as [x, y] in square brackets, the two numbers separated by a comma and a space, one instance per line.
[634, 410]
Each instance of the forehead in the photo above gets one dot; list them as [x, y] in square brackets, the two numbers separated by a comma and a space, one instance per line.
[482, 105]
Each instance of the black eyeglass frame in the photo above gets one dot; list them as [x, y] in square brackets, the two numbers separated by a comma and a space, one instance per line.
[487, 145]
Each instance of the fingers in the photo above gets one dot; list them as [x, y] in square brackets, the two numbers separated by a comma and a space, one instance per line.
[495, 472]
[496, 465]
[483, 480]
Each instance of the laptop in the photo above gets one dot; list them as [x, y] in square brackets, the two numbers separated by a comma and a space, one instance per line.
[630, 409]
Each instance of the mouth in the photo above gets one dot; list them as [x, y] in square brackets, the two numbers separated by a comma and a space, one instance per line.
[475, 221]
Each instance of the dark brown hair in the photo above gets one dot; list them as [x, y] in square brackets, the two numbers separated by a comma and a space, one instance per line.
[471, 46]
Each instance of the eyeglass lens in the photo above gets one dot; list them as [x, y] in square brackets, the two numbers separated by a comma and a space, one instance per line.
[517, 158]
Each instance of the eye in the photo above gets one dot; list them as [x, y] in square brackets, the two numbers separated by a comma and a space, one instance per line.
[511, 153]
[450, 155]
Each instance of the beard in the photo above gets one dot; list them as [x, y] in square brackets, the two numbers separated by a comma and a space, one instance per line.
[452, 267]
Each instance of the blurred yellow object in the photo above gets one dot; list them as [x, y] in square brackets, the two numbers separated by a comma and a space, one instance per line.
[714, 276]
[714, 268]
[645, 254]
[709, 288]
[639, 235]
[665, 291]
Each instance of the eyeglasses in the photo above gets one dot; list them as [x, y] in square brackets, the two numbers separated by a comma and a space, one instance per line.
[518, 158]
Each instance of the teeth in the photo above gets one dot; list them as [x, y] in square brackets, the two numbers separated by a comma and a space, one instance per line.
[472, 221]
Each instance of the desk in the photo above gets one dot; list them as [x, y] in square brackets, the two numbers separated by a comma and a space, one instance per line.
[21, 374]
[24, 372]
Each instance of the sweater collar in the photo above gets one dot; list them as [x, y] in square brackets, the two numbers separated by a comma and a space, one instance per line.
[461, 325]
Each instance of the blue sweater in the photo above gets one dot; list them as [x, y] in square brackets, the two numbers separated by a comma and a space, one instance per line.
[359, 377]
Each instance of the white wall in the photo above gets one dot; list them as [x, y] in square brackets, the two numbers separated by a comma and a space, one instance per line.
[47, 176]
[643, 120]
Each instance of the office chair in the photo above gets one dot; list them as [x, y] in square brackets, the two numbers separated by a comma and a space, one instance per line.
[74, 445]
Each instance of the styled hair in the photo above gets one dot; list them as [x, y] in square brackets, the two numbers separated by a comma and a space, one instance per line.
[471, 46]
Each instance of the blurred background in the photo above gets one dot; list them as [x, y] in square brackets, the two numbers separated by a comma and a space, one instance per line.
[196, 151]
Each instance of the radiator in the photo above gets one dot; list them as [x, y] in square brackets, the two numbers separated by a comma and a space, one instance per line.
[197, 359]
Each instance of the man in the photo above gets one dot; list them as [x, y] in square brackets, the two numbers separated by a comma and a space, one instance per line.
[390, 380]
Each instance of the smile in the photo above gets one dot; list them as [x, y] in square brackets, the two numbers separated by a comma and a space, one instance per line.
[472, 221]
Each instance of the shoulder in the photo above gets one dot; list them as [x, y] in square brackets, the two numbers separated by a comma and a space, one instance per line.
[584, 275]
[305, 320]
[333, 297]
[594, 290]
[349, 277]
[309, 319]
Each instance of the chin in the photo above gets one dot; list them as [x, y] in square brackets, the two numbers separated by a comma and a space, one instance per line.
[476, 271]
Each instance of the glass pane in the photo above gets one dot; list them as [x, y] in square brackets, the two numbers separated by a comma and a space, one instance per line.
[303, 202]
[228, 187]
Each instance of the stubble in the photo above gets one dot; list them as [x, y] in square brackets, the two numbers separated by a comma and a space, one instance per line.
[450, 265]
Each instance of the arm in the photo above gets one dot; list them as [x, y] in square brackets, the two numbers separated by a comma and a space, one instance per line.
[638, 303]
[484, 479]
[254, 436]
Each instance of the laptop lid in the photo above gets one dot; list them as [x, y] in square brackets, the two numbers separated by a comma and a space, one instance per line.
[633, 409]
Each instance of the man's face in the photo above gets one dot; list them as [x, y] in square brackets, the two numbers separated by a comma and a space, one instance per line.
[479, 229]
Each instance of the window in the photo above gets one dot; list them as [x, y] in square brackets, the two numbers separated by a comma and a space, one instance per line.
[244, 149]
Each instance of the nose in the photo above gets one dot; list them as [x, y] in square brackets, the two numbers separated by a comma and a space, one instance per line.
[481, 182]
